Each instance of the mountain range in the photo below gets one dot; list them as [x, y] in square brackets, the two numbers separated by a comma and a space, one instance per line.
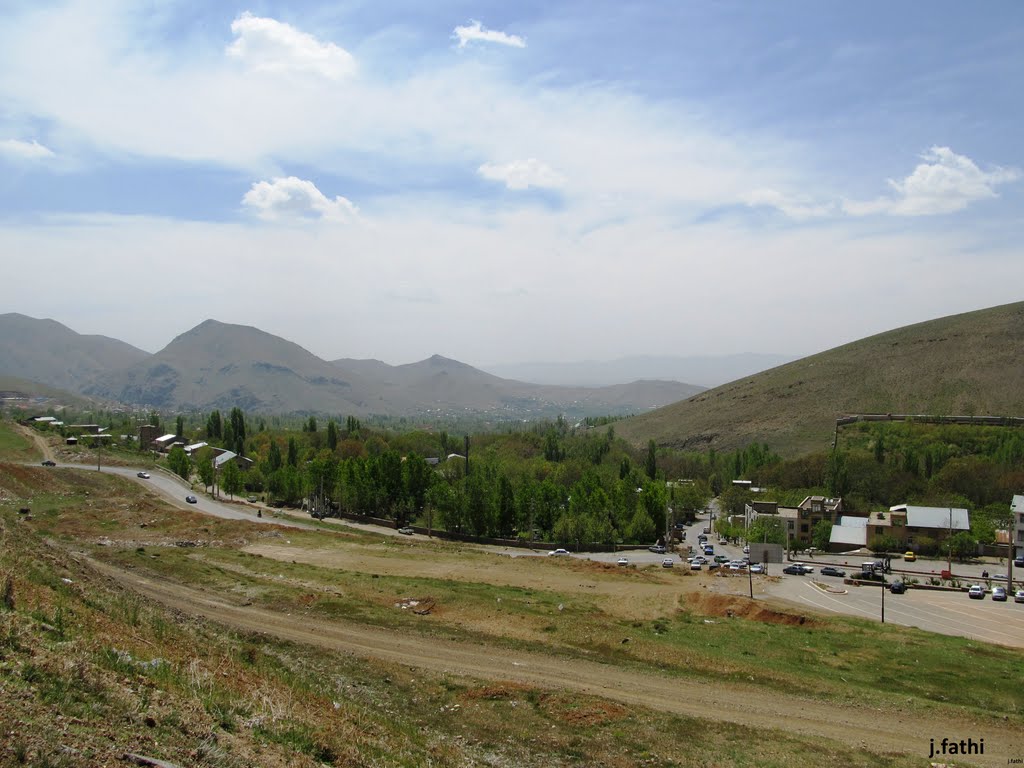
[220, 365]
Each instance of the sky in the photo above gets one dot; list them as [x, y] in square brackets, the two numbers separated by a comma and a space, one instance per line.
[504, 182]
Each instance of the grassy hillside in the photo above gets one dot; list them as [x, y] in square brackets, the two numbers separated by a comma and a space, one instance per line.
[967, 364]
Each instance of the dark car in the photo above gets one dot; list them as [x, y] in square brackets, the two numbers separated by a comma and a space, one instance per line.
[191, 499]
[793, 570]
[831, 570]
[897, 587]
[49, 463]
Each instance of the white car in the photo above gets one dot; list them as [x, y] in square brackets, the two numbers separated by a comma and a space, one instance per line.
[143, 475]
[1019, 596]
[757, 568]
[695, 565]
[746, 549]
[622, 561]
[558, 552]
[667, 563]
[976, 592]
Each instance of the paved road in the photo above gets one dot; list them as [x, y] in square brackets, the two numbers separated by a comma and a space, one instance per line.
[947, 613]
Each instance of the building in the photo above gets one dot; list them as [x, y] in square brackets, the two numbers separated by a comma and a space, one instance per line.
[1017, 529]
[811, 511]
[849, 533]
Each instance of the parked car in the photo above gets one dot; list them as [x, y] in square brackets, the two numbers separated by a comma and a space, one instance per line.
[558, 552]
[746, 549]
[1019, 562]
[897, 587]
[976, 592]
[999, 594]
[793, 570]
[831, 570]
[191, 499]
[667, 563]
[1019, 596]
[695, 566]
[143, 475]
[909, 557]
[721, 558]
[713, 566]
[49, 463]
[407, 531]
[622, 561]
[757, 568]
[657, 549]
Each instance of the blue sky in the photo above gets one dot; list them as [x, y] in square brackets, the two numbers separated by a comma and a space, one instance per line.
[500, 182]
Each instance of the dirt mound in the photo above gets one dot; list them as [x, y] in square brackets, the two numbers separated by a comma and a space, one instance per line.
[731, 606]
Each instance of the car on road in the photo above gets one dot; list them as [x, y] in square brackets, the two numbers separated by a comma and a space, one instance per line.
[667, 563]
[657, 549]
[406, 531]
[1019, 596]
[713, 566]
[897, 587]
[1019, 562]
[831, 570]
[909, 557]
[999, 594]
[191, 499]
[695, 566]
[49, 463]
[143, 475]
[721, 559]
[793, 570]
[558, 552]
[804, 567]
[622, 561]
[746, 549]
[976, 592]
[757, 568]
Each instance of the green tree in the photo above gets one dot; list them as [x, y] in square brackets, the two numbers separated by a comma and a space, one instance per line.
[179, 426]
[883, 544]
[238, 431]
[962, 546]
[231, 479]
[274, 458]
[652, 460]
[332, 435]
[214, 426]
[179, 462]
[204, 465]
[641, 528]
[822, 534]
[293, 452]
[767, 529]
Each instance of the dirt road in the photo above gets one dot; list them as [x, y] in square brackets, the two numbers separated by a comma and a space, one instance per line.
[870, 727]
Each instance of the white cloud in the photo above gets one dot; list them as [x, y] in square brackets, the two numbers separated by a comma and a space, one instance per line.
[294, 198]
[476, 32]
[794, 207]
[25, 150]
[945, 182]
[270, 45]
[522, 174]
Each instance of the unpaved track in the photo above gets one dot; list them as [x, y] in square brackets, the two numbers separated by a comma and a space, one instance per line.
[879, 730]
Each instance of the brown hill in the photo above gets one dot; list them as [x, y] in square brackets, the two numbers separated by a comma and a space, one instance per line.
[969, 364]
[50, 353]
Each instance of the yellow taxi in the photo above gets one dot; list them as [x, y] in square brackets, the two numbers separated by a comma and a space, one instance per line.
[909, 557]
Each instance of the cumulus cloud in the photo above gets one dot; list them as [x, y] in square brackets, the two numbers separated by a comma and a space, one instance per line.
[522, 174]
[945, 182]
[270, 45]
[25, 150]
[794, 207]
[475, 31]
[294, 198]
